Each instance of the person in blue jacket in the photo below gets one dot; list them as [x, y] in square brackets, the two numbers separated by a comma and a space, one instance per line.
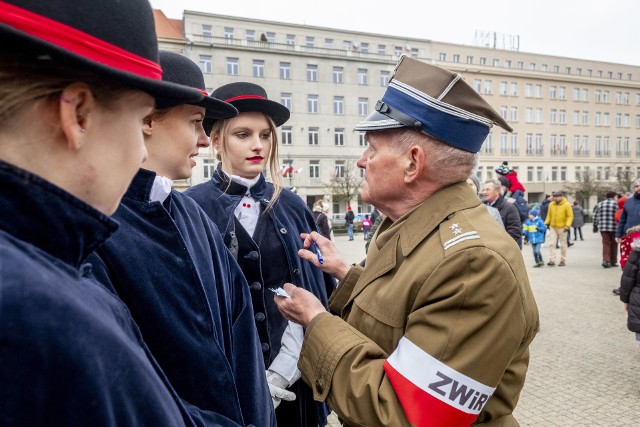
[168, 263]
[261, 223]
[70, 142]
[534, 230]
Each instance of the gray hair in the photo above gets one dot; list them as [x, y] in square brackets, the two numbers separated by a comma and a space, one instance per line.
[636, 181]
[448, 164]
[495, 183]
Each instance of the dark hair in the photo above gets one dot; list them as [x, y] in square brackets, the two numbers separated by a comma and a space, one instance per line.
[611, 194]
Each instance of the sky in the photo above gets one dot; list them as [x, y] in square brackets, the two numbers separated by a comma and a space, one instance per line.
[601, 30]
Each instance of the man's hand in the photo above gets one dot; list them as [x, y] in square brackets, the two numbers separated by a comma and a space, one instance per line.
[301, 307]
[566, 229]
[332, 262]
[278, 388]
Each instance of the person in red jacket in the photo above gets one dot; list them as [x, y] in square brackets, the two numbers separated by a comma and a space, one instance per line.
[512, 175]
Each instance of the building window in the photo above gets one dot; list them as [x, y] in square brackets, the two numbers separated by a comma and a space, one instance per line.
[285, 99]
[310, 41]
[532, 66]
[328, 43]
[271, 37]
[312, 104]
[339, 169]
[397, 50]
[363, 106]
[562, 93]
[291, 39]
[503, 112]
[382, 49]
[514, 114]
[338, 74]
[364, 47]
[232, 66]
[483, 61]
[528, 139]
[514, 89]
[538, 91]
[205, 63]
[286, 136]
[503, 88]
[562, 117]
[528, 114]
[488, 148]
[507, 64]
[384, 78]
[539, 145]
[285, 70]
[553, 116]
[456, 57]
[312, 72]
[598, 96]
[258, 68]
[228, 33]
[207, 30]
[504, 148]
[554, 174]
[538, 115]
[338, 105]
[576, 117]
[530, 173]
[496, 62]
[314, 169]
[585, 146]
[552, 92]
[442, 56]
[605, 96]
[563, 144]
[528, 90]
[362, 76]
[250, 35]
[208, 167]
[313, 136]
[339, 136]
[514, 143]
[520, 65]
[469, 59]
[576, 94]
[584, 95]
[362, 140]
[477, 85]
[487, 86]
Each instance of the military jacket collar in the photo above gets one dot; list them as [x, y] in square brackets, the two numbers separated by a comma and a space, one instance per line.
[408, 231]
[35, 210]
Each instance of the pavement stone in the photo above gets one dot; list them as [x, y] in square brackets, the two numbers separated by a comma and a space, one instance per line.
[585, 363]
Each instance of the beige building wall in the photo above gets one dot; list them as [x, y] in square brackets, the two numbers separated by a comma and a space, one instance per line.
[568, 114]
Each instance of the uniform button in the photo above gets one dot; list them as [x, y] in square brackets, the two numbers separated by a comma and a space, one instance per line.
[260, 317]
[256, 286]
[296, 272]
[265, 347]
[253, 255]
[283, 230]
[319, 387]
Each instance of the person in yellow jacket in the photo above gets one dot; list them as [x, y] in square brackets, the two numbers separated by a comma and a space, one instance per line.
[559, 219]
[435, 329]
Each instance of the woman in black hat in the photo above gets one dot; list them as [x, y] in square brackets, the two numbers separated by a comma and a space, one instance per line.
[75, 85]
[168, 263]
[261, 223]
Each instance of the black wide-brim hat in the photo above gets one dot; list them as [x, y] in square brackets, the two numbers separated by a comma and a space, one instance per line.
[114, 39]
[179, 69]
[250, 97]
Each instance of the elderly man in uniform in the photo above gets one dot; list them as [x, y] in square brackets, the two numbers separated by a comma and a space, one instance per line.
[435, 329]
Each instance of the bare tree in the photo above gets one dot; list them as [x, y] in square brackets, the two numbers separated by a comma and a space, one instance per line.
[345, 181]
[624, 177]
[585, 186]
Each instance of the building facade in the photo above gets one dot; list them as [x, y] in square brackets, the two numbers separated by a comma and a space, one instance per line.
[569, 115]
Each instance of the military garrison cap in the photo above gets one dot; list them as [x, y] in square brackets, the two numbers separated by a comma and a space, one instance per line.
[437, 101]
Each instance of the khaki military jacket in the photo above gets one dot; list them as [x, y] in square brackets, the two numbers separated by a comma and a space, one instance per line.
[435, 330]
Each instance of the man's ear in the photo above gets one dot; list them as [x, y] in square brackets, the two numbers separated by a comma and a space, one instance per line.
[414, 164]
[76, 105]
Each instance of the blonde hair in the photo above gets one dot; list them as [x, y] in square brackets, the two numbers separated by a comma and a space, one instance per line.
[26, 79]
[219, 131]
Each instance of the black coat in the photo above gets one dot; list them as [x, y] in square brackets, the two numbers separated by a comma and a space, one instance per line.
[169, 264]
[70, 353]
[630, 288]
[544, 208]
[510, 217]
[323, 223]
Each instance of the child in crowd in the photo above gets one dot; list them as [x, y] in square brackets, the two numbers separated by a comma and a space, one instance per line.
[366, 226]
[534, 230]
